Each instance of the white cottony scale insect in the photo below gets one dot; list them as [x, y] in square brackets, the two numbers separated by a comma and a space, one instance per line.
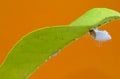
[100, 35]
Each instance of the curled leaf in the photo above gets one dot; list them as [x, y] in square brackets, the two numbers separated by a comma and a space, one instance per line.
[38, 46]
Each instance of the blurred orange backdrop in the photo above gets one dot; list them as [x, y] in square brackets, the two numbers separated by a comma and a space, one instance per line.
[84, 59]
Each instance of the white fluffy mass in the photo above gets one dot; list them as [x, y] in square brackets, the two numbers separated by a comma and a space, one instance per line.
[102, 35]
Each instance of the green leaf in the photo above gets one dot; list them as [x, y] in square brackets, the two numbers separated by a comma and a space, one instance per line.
[38, 46]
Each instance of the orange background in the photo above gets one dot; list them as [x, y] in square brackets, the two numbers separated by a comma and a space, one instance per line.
[84, 59]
